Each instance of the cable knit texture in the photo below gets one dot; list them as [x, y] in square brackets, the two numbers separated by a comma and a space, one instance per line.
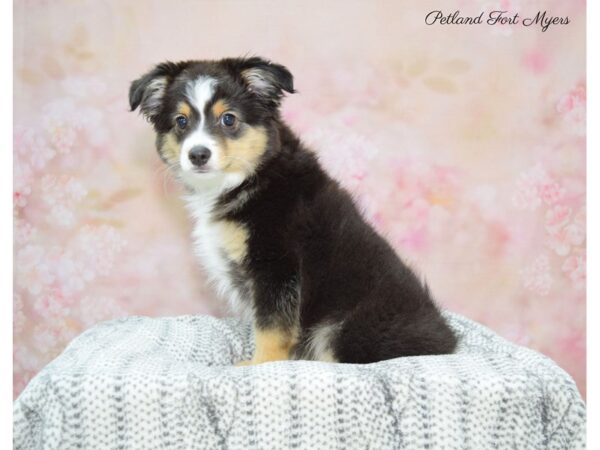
[145, 383]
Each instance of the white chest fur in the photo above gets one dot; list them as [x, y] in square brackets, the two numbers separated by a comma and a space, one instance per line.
[221, 246]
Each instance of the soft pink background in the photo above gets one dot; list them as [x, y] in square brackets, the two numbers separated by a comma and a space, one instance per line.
[464, 144]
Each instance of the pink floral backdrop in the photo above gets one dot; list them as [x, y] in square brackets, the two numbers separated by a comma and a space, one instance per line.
[465, 145]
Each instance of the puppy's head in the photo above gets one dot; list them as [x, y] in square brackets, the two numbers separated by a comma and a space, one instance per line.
[212, 118]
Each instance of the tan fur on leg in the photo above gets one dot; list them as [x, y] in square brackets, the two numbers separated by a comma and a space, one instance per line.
[272, 344]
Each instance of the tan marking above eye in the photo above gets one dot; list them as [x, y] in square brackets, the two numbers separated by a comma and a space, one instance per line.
[243, 154]
[184, 109]
[219, 108]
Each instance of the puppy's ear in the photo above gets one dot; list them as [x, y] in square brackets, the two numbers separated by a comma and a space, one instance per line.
[148, 91]
[264, 78]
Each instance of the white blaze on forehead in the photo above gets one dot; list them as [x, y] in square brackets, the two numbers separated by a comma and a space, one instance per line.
[199, 94]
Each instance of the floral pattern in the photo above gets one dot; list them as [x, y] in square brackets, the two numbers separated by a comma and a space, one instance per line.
[471, 162]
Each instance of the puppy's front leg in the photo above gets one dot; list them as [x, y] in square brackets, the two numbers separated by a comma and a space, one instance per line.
[272, 344]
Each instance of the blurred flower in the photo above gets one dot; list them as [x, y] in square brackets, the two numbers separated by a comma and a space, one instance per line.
[89, 255]
[31, 154]
[562, 234]
[67, 120]
[575, 233]
[33, 269]
[20, 197]
[536, 277]
[18, 314]
[61, 196]
[551, 192]
[535, 186]
[572, 107]
[574, 266]
[344, 152]
[22, 231]
[559, 242]
[26, 359]
[45, 339]
[51, 304]
[50, 338]
[96, 247]
[556, 217]
[32, 148]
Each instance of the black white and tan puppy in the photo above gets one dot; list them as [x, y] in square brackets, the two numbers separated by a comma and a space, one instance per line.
[281, 239]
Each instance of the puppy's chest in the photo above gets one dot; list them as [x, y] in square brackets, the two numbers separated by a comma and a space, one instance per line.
[222, 246]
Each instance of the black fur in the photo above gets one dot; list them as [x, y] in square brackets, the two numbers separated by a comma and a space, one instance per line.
[306, 235]
[305, 227]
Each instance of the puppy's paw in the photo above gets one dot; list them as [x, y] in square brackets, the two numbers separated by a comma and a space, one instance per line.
[247, 362]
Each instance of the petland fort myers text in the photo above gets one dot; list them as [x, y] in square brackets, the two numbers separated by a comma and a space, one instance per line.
[542, 19]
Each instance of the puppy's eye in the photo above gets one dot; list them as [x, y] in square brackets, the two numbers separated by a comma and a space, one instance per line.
[228, 120]
[181, 121]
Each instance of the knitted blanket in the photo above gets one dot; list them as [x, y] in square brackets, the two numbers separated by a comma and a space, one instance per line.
[169, 383]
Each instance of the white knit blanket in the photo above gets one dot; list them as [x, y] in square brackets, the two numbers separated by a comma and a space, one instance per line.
[169, 383]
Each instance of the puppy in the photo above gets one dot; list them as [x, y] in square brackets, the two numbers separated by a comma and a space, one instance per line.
[281, 239]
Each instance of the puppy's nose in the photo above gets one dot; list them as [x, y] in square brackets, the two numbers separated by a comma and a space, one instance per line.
[199, 156]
